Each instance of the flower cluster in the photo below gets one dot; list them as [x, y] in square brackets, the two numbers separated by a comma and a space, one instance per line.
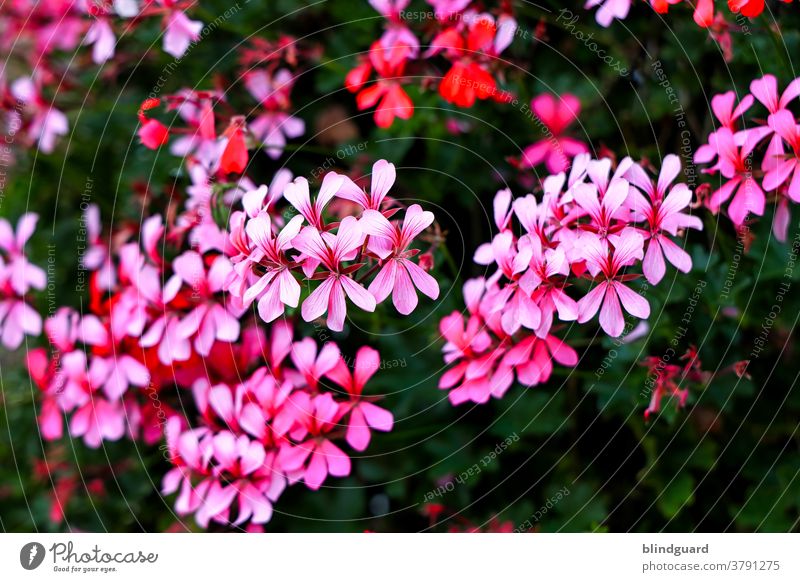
[270, 255]
[468, 40]
[168, 313]
[591, 225]
[745, 184]
[17, 277]
[36, 32]
[704, 14]
[208, 132]
[273, 429]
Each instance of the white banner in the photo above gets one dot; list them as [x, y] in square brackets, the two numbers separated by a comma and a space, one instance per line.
[378, 557]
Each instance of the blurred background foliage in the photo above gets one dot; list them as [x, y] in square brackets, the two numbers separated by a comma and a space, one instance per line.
[728, 461]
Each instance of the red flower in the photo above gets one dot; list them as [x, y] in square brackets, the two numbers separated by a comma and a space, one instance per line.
[391, 99]
[153, 134]
[234, 158]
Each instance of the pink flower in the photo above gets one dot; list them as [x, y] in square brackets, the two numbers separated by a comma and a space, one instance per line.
[662, 214]
[782, 168]
[533, 358]
[723, 107]
[275, 126]
[277, 287]
[298, 195]
[765, 90]
[101, 35]
[556, 150]
[313, 367]
[316, 457]
[734, 166]
[607, 215]
[383, 177]
[331, 252]
[48, 122]
[610, 10]
[180, 32]
[17, 277]
[399, 275]
[611, 291]
[208, 321]
[363, 415]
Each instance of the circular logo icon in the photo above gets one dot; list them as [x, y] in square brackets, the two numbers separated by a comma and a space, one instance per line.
[31, 555]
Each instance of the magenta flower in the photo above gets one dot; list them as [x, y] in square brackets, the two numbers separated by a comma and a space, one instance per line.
[179, 33]
[611, 291]
[556, 150]
[663, 213]
[383, 177]
[330, 253]
[313, 367]
[782, 168]
[733, 165]
[297, 194]
[363, 415]
[316, 457]
[17, 277]
[277, 287]
[609, 10]
[398, 274]
[209, 321]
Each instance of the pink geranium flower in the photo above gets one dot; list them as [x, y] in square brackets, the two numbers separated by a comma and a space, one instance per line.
[664, 214]
[330, 253]
[611, 291]
[383, 177]
[277, 287]
[734, 166]
[609, 10]
[17, 277]
[310, 365]
[298, 195]
[316, 457]
[363, 415]
[399, 275]
[784, 168]
[180, 31]
[556, 150]
[209, 321]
